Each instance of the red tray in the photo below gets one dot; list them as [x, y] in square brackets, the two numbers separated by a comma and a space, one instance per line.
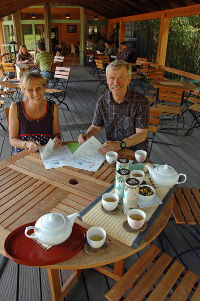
[26, 251]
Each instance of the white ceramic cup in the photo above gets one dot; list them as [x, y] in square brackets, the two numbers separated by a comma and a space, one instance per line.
[111, 157]
[140, 155]
[136, 224]
[109, 206]
[96, 231]
[135, 173]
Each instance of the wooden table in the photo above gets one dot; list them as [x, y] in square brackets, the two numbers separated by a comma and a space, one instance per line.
[28, 190]
[22, 67]
[172, 84]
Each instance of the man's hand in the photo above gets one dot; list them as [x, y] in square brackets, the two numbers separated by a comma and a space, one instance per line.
[110, 146]
[57, 142]
[81, 139]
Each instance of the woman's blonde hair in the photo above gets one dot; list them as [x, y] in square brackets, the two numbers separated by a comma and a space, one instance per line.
[20, 49]
[28, 76]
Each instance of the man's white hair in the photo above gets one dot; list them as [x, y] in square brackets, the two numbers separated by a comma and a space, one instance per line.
[118, 64]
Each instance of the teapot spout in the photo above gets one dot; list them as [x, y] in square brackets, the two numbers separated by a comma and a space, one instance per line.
[72, 217]
[149, 167]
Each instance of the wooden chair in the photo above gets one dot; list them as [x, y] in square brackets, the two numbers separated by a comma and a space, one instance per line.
[100, 66]
[186, 209]
[59, 86]
[195, 111]
[169, 101]
[8, 70]
[1, 105]
[154, 119]
[155, 276]
[58, 59]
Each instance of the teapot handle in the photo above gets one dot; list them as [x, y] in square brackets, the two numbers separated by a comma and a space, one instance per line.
[30, 228]
[184, 175]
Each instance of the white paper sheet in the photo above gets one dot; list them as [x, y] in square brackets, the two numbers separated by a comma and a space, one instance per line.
[85, 157]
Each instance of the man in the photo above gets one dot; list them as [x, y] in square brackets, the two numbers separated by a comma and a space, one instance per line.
[109, 50]
[124, 113]
[123, 55]
[44, 60]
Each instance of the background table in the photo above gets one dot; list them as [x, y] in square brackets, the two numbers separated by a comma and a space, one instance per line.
[28, 190]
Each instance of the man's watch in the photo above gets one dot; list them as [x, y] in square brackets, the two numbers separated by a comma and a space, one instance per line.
[122, 144]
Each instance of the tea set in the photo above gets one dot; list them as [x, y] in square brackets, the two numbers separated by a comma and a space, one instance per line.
[55, 228]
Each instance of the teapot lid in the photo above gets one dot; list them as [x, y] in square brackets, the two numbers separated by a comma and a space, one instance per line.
[166, 170]
[52, 221]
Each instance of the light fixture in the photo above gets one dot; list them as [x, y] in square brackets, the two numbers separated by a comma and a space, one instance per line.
[33, 16]
[96, 18]
[67, 16]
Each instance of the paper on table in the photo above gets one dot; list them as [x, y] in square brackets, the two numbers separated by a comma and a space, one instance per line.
[88, 158]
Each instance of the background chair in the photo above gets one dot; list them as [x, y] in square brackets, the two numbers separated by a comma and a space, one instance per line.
[154, 120]
[169, 101]
[195, 111]
[155, 276]
[9, 70]
[101, 64]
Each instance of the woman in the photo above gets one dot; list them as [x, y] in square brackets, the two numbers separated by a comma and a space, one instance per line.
[34, 120]
[24, 56]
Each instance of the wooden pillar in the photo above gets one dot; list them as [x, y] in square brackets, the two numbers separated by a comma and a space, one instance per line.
[163, 40]
[110, 30]
[2, 50]
[16, 28]
[121, 32]
[47, 18]
[83, 31]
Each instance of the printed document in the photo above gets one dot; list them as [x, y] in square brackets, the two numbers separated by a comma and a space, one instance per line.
[86, 156]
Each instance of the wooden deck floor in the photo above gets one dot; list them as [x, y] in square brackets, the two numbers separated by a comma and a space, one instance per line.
[21, 283]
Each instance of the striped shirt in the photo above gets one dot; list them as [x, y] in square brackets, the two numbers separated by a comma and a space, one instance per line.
[121, 120]
[124, 54]
[45, 60]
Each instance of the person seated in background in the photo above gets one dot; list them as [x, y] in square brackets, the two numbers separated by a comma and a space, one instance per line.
[109, 50]
[24, 56]
[123, 113]
[44, 60]
[123, 55]
[34, 120]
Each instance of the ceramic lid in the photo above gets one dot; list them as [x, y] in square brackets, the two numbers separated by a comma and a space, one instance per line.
[52, 221]
[166, 170]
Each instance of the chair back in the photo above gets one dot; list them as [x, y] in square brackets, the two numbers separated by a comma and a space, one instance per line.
[154, 119]
[62, 72]
[8, 67]
[155, 74]
[58, 58]
[141, 60]
[170, 101]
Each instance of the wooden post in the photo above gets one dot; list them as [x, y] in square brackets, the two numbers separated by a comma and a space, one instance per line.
[2, 50]
[47, 18]
[163, 40]
[16, 28]
[83, 31]
[110, 30]
[121, 32]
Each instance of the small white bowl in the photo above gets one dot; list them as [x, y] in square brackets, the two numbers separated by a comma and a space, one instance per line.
[141, 174]
[146, 198]
[135, 223]
[140, 155]
[96, 231]
[109, 206]
[111, 157]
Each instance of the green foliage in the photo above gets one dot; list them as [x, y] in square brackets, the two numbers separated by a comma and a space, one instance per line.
[183, 50]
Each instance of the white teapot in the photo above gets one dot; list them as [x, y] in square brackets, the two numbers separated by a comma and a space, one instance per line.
[164, 175]
[52, 228]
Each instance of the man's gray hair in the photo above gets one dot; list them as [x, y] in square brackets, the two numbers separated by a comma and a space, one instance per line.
[117, 64]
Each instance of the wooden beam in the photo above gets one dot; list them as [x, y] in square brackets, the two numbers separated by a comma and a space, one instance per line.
[163, 41]
[175, 12]
[1, 38]
[47, 17]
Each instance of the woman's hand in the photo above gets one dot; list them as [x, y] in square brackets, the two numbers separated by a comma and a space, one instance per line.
[81, 139]
[57, 142]
[33, 146]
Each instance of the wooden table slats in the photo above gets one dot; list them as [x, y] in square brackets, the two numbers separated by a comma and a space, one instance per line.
[186, 207]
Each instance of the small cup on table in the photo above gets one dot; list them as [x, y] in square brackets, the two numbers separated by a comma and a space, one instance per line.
[110, 201]
[140, 156]
[111, 157]
[138, 174]
[136, 218]
[96, 237]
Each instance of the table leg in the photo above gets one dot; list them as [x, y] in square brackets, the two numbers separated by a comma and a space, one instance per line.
[115, 273]
[58, 291]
